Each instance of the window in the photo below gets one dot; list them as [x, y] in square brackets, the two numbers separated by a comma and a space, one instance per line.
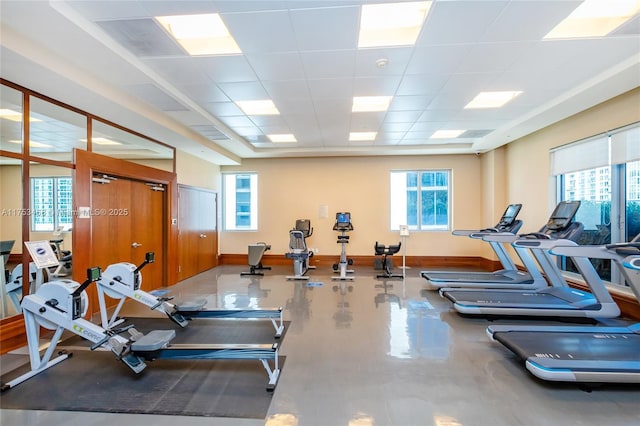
[51, 203]
[240, 192]
[602, 172]
[420, 200]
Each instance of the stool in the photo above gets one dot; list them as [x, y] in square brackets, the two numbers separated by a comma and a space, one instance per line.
[384, 251]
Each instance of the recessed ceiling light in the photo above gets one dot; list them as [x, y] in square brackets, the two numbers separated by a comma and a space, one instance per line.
[391, 24]
[595, 18]
[204, 34]
[282, 138]
[492, 99]
[371, 103]
[262, 107]
[362, 136]
[446, 134]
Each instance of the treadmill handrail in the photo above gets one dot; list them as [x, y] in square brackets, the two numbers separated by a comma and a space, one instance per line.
[630, 274]
[464, 232]
[499, 237]
[543, 244]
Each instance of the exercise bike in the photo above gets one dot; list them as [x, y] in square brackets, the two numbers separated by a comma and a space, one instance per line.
[123, 281]
[344, 225]
[256, 251]
[299, 252]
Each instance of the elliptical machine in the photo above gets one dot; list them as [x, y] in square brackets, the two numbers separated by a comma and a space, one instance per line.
[299, 252]
[344, 225]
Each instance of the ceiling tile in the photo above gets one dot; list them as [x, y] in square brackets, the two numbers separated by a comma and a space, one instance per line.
[437, 59]
[247, 91]
[376, 86]
[527, 20]
[277, 66]
[262, 32]
[334, 88]
[287, 90]
[402, 116]
[457, 22]
[329, 28]
[226, 69]
[491, 57]
[335, 64]
[421, 84]
[410, 103]
[223, 109]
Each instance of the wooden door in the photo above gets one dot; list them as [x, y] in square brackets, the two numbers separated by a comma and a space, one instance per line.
[147, 218]
[188, 234]
[198, 234]
[208, 234]
[110, 233]
[127, 222]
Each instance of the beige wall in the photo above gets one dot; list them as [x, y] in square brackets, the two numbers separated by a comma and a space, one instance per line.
[482, 186]
[290, 189]
[10, 205]
[527, 159]
[197, 172]
[166, 165]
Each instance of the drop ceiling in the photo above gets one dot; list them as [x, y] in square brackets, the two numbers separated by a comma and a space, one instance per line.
[111, 58]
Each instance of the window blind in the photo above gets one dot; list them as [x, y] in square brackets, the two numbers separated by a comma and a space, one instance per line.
[625, 144]
[581, 155]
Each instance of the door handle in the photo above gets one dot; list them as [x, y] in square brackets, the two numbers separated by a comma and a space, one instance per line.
[136, 245]
[203, 235]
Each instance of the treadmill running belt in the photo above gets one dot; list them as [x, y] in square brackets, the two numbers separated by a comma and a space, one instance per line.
[572, 346]
[504, 299]
[477, 277]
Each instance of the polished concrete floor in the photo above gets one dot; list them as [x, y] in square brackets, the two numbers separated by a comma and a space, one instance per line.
[361, 353]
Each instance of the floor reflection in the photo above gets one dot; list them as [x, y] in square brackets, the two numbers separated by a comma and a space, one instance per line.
[417, 331]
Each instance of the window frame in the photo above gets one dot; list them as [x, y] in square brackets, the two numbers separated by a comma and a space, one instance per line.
[59, 210]
[230, 202]
[616, 185]
[402, 214]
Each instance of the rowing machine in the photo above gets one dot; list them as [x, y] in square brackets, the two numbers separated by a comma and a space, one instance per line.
[60, 305]
[123, 280]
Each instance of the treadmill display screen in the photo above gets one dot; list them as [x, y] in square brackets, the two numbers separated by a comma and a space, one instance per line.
[510, 214]
[563, 214]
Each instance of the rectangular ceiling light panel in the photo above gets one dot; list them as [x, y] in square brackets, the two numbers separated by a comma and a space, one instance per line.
[362, 136]
[371, 103]
[595, 18]
[260, 107]
[391, 24]
[492, 99]
[282, 138]
[446, 134]
[200, 34]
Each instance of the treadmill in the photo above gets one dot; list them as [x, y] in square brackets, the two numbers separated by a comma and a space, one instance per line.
[603, 354]
[509, 276]
[555, 300]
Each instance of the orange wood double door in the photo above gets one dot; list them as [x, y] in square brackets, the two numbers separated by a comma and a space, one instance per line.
[126, 223]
